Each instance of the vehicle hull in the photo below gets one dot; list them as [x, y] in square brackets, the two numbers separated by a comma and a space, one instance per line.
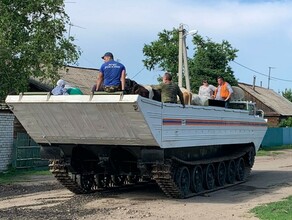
[132, 120]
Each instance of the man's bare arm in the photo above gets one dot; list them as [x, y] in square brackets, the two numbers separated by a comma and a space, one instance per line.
[99, 81]
[123, 79]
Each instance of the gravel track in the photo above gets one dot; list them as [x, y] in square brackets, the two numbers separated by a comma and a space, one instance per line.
[45, 198]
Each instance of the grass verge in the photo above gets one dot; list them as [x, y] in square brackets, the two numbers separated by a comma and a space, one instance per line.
[281, 210]
[13, 175]
[271, 151]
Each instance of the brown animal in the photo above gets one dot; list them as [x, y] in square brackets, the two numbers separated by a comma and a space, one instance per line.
[187, 96]
[140, 90]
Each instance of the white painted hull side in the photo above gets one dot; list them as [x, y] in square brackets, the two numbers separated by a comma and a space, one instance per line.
[132, 120]
[78, 119]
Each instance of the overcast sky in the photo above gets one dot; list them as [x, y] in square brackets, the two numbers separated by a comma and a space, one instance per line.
[260, 30]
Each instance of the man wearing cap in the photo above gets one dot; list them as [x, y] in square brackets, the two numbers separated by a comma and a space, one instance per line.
[112, 74]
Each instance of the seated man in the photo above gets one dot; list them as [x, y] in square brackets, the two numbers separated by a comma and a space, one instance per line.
[112, 75]
[170, 90]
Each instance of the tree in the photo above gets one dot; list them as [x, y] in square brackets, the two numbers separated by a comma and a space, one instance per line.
[32, 42]
[209, 61]
[163, 53]
[287, 94]
[286, 122]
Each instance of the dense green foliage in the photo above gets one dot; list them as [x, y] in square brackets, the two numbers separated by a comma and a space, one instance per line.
[281, 210]
[210, 59]
[287, 94]
[286, 122]
[32, 42]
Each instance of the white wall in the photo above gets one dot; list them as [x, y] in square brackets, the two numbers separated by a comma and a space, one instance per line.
[6, 139]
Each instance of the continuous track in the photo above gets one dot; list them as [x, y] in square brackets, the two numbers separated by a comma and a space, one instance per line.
[167, 184]
[175, 177]
[59, 169]
[166, 175]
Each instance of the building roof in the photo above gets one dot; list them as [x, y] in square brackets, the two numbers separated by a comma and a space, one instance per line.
[83, 78]
[270, 98]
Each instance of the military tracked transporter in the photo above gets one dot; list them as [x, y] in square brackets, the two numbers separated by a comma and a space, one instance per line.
[103, 141]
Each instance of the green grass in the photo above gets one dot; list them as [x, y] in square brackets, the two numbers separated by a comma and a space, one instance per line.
[281, 210]
[272, 151]
[13, 175]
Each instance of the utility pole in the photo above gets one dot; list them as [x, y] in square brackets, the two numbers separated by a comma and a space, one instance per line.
[269, 78]
[183, 58]
[73, 25]
[180, 55]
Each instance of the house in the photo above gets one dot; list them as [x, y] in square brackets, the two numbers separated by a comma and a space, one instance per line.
[275, 106]
[83, 78]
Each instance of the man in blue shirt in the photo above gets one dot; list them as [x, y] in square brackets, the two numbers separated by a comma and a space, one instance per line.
[112, 74]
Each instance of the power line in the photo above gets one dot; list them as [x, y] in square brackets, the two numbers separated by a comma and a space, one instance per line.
[266, 75]
[250, 69]
[138, 73]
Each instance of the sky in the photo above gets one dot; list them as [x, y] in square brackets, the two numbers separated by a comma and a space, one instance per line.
[260, 30]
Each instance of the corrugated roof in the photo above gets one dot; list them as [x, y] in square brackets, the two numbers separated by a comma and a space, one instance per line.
[83, 78]
[270, 98]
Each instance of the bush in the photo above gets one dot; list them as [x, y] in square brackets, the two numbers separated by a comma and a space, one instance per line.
[286, 122]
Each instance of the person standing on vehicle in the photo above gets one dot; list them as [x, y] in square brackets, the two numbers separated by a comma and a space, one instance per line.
[223, 91]
[112, 74]
[170, 90]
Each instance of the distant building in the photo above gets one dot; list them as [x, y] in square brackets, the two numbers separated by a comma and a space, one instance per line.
[275, 106]
[83, 78]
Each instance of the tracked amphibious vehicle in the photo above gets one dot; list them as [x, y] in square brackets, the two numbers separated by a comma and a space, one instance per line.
[102, 141]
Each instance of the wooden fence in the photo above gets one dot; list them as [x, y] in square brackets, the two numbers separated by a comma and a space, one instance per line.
[26, 153]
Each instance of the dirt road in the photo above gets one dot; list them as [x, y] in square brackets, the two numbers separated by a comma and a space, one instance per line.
[271, 180]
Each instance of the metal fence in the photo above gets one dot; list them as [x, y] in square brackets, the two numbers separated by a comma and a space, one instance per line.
[277, 137]
[26, 153]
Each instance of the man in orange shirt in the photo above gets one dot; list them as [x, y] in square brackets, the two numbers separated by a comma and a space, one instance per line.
[223, 91]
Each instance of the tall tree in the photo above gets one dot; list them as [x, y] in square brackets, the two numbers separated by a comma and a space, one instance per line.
[163, 53]
[32, 42]
[287, 94]
[210, 59]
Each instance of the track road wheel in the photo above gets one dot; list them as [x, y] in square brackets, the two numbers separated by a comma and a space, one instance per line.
[231, 172]
[87, 183]
[209, 176]
[133, 179]
[183, 180]
[197, 179]
[221, 174]
[103, 181]
[118, 180]
[240, 171]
